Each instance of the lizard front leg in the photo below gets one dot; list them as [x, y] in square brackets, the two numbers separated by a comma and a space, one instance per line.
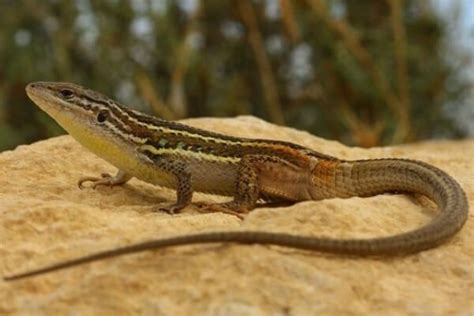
[120, 178]
[179, 169]
[184, 188]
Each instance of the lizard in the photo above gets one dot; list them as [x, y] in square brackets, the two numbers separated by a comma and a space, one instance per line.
[188, 159]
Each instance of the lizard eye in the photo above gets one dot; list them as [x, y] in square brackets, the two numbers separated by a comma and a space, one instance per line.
[102, 116]
[66, 93]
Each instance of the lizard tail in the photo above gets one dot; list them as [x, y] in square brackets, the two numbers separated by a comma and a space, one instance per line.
[372, 177]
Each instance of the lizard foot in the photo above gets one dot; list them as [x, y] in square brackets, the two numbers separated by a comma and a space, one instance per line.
[226, 208]
[106, 180]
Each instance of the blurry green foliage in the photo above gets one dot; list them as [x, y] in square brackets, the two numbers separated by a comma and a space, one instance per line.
[350, 70]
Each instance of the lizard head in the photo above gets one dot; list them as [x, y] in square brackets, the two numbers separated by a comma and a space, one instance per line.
[67, 101]
[94, 120]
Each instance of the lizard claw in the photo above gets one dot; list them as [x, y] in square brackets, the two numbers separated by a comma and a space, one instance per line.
[171, 209]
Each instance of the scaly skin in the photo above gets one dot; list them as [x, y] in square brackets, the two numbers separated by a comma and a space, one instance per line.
[190, 159]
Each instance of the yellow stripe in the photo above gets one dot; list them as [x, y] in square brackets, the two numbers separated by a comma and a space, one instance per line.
[127, 136]
[192, 154]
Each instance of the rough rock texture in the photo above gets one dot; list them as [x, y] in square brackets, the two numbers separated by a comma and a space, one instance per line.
[46, 218]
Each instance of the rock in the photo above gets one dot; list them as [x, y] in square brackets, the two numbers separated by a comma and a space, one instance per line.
[46, 218]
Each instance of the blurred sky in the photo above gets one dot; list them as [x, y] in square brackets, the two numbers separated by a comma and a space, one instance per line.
[465, 11]
[464, 37]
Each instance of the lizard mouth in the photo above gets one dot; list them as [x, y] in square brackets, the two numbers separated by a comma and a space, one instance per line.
[35, 89]
[39, 93]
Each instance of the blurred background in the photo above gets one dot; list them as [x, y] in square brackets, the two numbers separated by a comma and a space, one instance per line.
[365, 72]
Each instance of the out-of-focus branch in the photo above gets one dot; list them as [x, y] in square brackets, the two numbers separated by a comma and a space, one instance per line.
[176, 99]
[404, 129]
[350, 40]
[150, 94]
[362, 133]
[288, 16]
[269, 86]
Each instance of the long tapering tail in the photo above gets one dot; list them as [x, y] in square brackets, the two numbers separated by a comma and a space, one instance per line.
[360, 178]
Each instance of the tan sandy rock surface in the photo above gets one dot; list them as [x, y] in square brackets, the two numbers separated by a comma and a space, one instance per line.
[45, 218]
